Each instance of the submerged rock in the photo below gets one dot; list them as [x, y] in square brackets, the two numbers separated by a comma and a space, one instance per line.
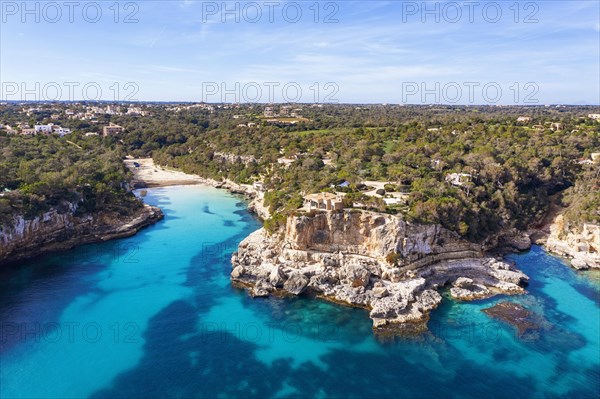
[516, 315]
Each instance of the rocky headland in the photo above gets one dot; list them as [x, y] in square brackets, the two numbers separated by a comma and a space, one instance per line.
[379, 262]
[62, 229]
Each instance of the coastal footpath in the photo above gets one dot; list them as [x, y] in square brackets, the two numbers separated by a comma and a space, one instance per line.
[58, 231]
[378, 262]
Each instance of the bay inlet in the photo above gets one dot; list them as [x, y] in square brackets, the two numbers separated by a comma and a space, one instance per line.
[154, 315]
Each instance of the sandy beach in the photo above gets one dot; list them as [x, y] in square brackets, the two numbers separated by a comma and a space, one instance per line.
[150, 175]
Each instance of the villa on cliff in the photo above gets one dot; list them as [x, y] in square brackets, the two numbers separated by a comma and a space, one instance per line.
[323, 201]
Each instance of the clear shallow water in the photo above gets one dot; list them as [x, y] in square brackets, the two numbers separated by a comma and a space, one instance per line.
[154, 315]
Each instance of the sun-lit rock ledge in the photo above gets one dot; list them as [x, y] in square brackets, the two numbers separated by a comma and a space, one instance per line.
[345, 257]
[581, 246]
[57, 231]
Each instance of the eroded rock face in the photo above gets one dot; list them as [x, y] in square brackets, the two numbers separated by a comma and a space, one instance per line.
[342, 257]
[582, 245]
[374, 235]
[54, 231]
[296, 283]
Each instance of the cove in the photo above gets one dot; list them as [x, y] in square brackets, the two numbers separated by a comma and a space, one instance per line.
[155, 315]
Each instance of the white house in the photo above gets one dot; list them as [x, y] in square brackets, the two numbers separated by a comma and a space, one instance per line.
[61, 131]
[46, 129]
[458, 179]
[594, 116]
[324, 201]
[392, 201]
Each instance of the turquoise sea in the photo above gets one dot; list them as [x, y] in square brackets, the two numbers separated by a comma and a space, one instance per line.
[154, 316]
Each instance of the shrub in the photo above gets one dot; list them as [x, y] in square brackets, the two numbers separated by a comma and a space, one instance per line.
[392, 258]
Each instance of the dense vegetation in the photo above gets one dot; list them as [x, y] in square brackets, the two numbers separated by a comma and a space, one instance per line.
[44, 172]
[513, 168]
[583, 199]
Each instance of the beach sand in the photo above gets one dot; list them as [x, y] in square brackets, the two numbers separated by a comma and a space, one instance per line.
[147, 174]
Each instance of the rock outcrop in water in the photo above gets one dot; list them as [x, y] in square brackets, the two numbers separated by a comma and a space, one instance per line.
[56, 231]
[379, 262]
[516, 315]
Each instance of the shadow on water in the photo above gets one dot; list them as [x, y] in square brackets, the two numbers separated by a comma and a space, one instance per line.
[36, 292]
[206, 209]
[179, 363]
[41, 282]
[212, 264]
[179, 360]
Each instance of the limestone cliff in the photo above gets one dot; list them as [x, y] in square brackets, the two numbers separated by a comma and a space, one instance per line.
[582, 244]
[55, 231]
[378, 262]
[376, 235]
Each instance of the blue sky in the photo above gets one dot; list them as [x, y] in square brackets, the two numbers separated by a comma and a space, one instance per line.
[368, 52]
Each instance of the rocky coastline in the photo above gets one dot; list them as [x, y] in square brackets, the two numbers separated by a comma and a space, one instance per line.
[347, 263]
[254, 197]
[378, 262]
[580, 245]
[58, 231]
